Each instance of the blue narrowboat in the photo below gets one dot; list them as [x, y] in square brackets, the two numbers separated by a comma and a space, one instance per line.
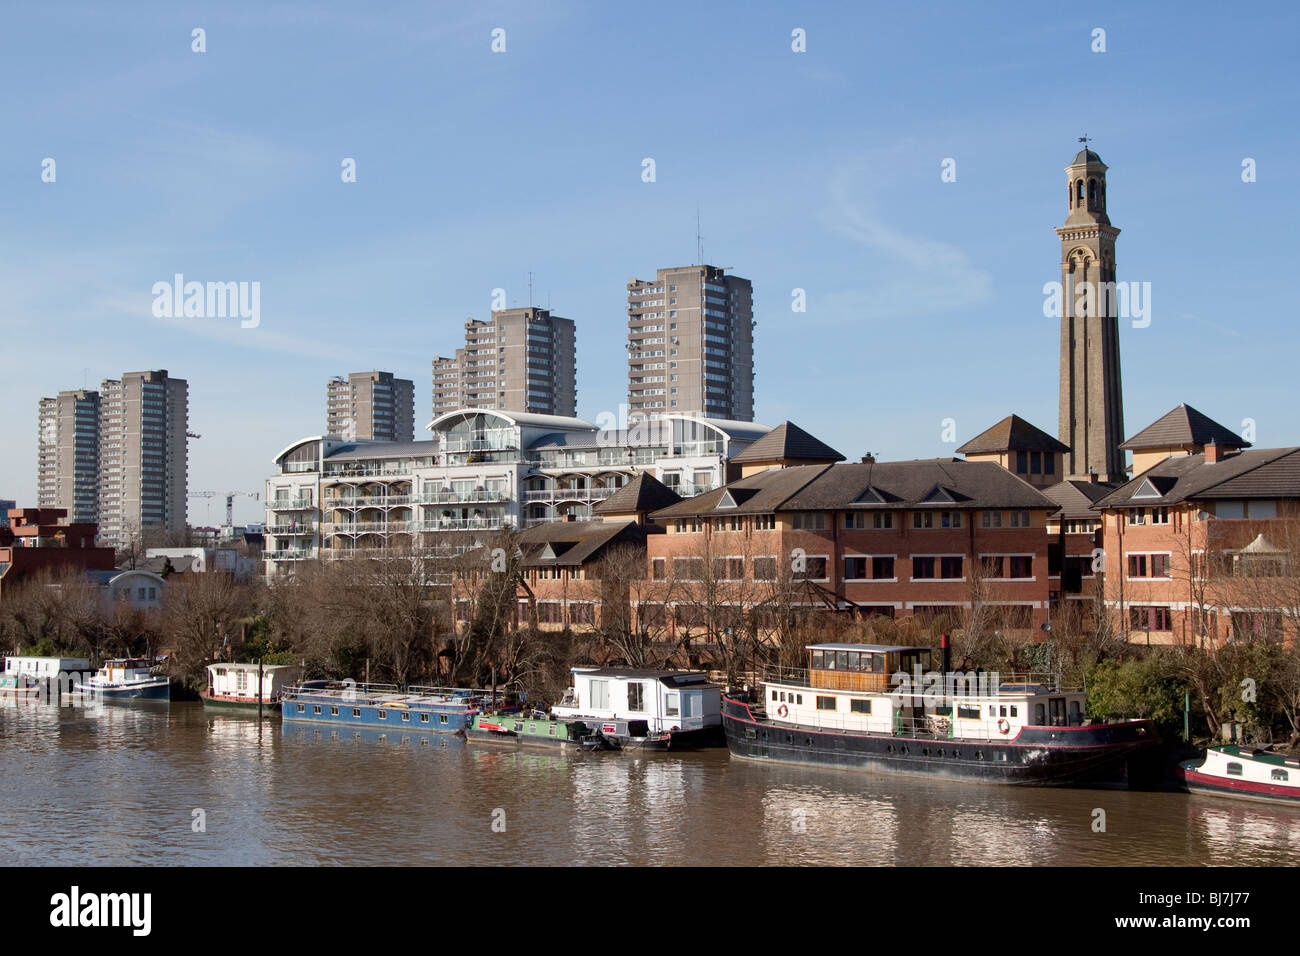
[440, 710]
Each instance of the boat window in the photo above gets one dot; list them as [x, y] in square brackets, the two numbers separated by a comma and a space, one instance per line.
[636, 696]
[1234, 770]
[774, 695]
[406, 715]
[825, 703]
[383, 715]
[442, 718]
[424, 718]
[966, 712]
[334, 711]
[817, 662]
[1040, 714]
[1280, 775]
[993, 711]
[798, 698]
[842, 660]
[315, 709]
[670, 705]
[356, 711]
[783, 697]
[301, 709]
[1002, 711]
[860, 706]
[599, 694]
[1014, 712]
[552, 730]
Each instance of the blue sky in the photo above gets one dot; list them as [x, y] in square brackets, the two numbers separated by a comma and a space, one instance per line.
[817, 170]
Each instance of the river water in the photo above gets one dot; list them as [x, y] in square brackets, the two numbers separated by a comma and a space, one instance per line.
[173, 785]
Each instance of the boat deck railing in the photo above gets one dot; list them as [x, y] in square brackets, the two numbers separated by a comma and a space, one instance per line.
[962, 682]
[376, 693]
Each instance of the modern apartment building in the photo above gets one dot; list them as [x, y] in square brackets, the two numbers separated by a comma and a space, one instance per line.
[690, 344]
[520, 360]
[143, 455]
[483, 471]
[68, 455]
[370, 406]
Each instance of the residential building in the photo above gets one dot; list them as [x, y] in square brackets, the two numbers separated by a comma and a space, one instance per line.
[1020, 448]
[520, 360]
[690, 344]
[1203, 546]
[370, 406]
[68, 454]
[40, 540]
[1091, 399]
[938, 539]
[143, 455]
[482, 472]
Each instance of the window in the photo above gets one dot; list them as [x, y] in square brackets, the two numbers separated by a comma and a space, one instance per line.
[882, 520]
[1020, 519]
[406, 715]
[922, 568]
[1234, 770]
[1036, 463]
[424, 718]
[315, 709]
[600, 695]
[860, 706]
[765, 569]
[383, 714]
[1160, 516]
[1142, 618]
[950, 567]
[1280, 775]
[442, 718]
[882, 568]
[671, 707]
[992, 565]
[764, 522]
[855, 568]
[814, 569]
[922, 519]
[334, 711]
[658, 568]
[1022, 462]
[991, 519]
[1021, 566]
[356, 711]
[825, 703]
[636, 696]
[966, 712]
[855, 521]
[809, 521]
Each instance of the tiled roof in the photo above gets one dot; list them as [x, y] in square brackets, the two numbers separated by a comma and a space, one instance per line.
[1182, 427]
[645, 492]
[788, 441]
[574, 542]
[1013, 433]
[941, 483]
[1076, 498]
[1251, 473]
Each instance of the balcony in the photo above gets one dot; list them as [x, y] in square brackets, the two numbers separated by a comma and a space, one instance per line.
[495, 523]
[379, 501]
[299, 527]
[289, 554]
[289, 504]
[459, 497]
[368, 527]
[569, 494]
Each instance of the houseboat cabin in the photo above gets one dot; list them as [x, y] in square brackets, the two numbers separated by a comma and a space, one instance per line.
[32, 676]
[636, 705]
[440, 710]
[881, 689]
[235, 686]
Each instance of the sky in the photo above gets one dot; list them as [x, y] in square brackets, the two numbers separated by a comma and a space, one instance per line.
[819, 170]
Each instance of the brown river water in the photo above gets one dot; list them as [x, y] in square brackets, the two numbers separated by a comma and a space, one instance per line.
[175, 786]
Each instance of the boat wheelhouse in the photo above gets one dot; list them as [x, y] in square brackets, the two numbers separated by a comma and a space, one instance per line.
[881, 708]
[1243, 772]
[441, 710]
[235, 686]
[646, 708]
[127, 679]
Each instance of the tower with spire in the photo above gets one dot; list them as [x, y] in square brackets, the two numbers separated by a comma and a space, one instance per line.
[1091, 406]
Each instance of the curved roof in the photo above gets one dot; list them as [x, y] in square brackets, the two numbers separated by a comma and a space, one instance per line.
[534, 419]
[298, 444]
[742, 431]
[1086, 156]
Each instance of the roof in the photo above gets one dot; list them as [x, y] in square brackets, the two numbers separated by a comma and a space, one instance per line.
[105, 578]
[667, 678]
[534, 419]
[362, 450]
[940, 483]
[1077, 497]
[1181, 427]
[573, 543]
[788, 441]
[645, 492]
[873, 648]
[1250, 473]
[1086, 156]
[1013, 433]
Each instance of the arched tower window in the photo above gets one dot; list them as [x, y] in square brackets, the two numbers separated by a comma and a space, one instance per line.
[1069, 195]
[1092, 194]
[1103, 194]
[1078, 189]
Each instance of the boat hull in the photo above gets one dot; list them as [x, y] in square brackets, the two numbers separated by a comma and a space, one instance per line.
[242, 705]
[368, 715]
[125, 693]
[1036, 756]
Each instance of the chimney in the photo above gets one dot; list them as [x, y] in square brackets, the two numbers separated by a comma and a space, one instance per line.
[869, 458]
[1213, 453]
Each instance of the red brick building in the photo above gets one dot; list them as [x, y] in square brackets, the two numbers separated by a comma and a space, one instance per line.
[37, 540]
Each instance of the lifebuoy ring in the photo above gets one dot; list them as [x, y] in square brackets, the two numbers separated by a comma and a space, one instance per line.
[1003, 726]
[782, 711]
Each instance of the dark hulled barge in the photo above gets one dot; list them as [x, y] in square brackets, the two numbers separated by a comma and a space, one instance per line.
[880, 709]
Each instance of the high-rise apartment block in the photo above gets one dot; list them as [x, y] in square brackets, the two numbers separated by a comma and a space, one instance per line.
[690, 344]
[143, 455]
[521, 360]
[371, 406]
[68, 455]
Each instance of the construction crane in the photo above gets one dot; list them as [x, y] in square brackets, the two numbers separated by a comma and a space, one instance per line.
[230, 497]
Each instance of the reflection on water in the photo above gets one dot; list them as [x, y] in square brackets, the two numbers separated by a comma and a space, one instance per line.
[120, 784]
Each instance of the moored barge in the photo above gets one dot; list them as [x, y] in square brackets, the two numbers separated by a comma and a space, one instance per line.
[644, 709]
[1245, 773]
[442, 710]
[235, 687]
[127, 680]
[880, 709]
[535, 730]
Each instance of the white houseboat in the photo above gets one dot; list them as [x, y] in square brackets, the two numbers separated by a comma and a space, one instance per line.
[1232, 771]
[882, 709]
[655, 709]
[28, 677]
[235, 686]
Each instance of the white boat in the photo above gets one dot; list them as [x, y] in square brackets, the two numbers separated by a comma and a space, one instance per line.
[127, 679]
[1233, 771]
